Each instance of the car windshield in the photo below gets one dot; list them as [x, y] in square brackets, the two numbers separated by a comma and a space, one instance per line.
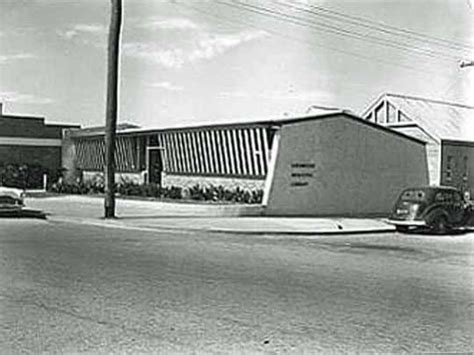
[416, 195]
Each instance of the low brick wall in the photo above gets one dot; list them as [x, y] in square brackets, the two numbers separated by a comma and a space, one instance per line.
[185, 181]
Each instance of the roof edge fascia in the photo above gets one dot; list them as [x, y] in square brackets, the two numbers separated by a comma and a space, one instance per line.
[410, 115]
[274, 122]
[373, 103]
[419, 98]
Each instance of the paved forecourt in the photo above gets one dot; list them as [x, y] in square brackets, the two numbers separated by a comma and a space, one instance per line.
[198, 216]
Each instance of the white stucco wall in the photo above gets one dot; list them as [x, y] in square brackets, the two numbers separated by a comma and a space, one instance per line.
[68, 157]
[339, 166]
[433, 150]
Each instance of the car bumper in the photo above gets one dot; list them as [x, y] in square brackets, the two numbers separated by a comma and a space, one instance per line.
[406, 223]
[21, 213]
[8, 208]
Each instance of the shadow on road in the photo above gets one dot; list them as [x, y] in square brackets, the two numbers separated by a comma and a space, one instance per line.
[382, 247]
[429, 232]
[23, 213]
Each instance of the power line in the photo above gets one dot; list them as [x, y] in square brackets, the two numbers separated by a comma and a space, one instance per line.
[233, 22]
[393, 30]
[445, 44]
[267, 12]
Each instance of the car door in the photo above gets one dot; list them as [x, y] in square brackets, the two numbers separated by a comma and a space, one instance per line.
[457, 208]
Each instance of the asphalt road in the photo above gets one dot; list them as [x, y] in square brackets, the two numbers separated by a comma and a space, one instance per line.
[76, 288]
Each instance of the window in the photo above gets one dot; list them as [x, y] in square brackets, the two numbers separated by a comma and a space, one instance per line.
[380, 114]
[391, 113]
[450, 196]
[465, 168]
[444, 197]
[449, 168]
[402, 117]
[153, 141]
[413, 195]
[457, 197]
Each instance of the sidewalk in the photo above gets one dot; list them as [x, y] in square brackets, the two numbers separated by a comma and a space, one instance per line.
[245, 219]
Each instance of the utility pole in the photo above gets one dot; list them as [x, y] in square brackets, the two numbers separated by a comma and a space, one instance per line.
[464, 64]
[113, 54]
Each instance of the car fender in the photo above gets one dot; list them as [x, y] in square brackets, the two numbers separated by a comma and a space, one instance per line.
[468, 215]
[435, 212]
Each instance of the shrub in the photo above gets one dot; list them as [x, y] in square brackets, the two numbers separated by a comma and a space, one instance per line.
[219, 193]
[98, 184]
[22, 176]
[128, 188]
[172, 192]
[131, 188]
[197, 193]
[151, 190]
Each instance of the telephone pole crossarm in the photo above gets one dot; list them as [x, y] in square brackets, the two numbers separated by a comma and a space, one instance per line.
[466, 63]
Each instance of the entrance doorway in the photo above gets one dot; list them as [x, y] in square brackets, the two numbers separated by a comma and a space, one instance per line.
[155, 165]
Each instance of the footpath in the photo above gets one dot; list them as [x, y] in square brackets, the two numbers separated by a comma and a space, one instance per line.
[230, 218]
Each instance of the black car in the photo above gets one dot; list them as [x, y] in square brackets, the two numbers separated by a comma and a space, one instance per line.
[439, 208]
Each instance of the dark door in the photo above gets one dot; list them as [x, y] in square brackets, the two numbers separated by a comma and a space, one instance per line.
[155, 166]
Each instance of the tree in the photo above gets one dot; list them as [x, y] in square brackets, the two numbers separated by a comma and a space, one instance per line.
[113, 54]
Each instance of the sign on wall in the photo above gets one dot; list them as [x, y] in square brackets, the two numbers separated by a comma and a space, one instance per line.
[301, 174]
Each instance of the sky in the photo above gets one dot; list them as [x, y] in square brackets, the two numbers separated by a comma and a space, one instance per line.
[209, 61]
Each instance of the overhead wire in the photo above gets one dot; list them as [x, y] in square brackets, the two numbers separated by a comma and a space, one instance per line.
[264, 11]
[233, 21]
[389, 29]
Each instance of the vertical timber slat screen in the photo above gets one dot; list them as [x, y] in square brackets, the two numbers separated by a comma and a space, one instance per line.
[90, 154]
[234, 151]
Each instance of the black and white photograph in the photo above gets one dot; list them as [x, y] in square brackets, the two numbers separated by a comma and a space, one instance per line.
[236, 176]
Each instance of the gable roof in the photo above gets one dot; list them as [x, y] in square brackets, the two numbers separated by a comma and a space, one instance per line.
[441, 119]
[101, 129]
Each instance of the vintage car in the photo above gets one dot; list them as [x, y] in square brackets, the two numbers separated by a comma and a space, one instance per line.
[11, 199]
[437, 208]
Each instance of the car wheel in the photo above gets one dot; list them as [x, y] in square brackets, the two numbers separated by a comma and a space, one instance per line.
[440, 225]
[401, 229]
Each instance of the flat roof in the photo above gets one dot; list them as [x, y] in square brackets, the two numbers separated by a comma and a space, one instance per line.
[84, 133]
[21, 117]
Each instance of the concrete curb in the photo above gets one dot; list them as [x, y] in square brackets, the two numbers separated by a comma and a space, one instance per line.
[315, 233]
[117, 224]
[23, 213]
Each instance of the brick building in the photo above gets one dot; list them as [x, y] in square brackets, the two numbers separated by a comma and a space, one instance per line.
[28, 140]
